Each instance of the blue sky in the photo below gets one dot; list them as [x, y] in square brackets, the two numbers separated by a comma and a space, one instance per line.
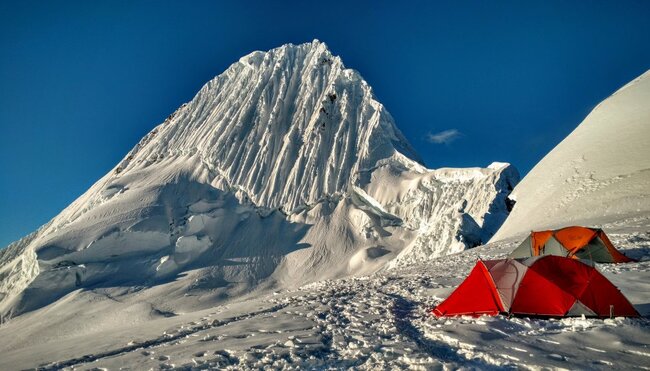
[82, 82]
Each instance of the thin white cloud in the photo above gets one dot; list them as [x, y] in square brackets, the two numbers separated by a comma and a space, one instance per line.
[444, 137]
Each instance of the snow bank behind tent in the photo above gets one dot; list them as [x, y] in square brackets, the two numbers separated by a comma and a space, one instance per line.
[599, 172]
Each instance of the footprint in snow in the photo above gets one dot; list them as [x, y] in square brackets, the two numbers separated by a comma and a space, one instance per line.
[557, 357]
[518, 349]
[548, 341]
[595, 350]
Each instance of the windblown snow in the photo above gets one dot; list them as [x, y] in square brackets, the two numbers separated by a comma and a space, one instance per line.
[282, 170]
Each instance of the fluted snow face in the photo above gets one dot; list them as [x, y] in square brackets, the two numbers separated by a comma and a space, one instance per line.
[285, 127]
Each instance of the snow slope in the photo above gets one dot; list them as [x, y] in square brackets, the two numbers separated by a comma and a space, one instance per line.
[599, 172]
[282, 170]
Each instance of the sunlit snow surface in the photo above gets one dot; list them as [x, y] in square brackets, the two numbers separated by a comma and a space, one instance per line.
[379, 321]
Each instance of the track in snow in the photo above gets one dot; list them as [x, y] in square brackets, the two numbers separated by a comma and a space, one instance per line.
[157, 341]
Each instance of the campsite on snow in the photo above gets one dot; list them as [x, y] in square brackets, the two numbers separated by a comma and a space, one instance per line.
[440, 185]
[349, 254]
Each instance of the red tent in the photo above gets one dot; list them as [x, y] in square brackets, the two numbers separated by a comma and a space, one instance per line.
[549, 285]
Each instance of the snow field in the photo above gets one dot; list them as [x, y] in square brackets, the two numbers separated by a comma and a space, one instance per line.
[382, 321]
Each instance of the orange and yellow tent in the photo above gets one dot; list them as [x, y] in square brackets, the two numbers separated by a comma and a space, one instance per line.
[571, 242]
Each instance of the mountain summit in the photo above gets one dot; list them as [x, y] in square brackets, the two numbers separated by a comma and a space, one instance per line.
[282, 170]
[285, 128]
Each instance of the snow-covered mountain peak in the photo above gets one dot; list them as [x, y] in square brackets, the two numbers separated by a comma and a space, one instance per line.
[282, 170]
[286, 127]
[312, 49]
